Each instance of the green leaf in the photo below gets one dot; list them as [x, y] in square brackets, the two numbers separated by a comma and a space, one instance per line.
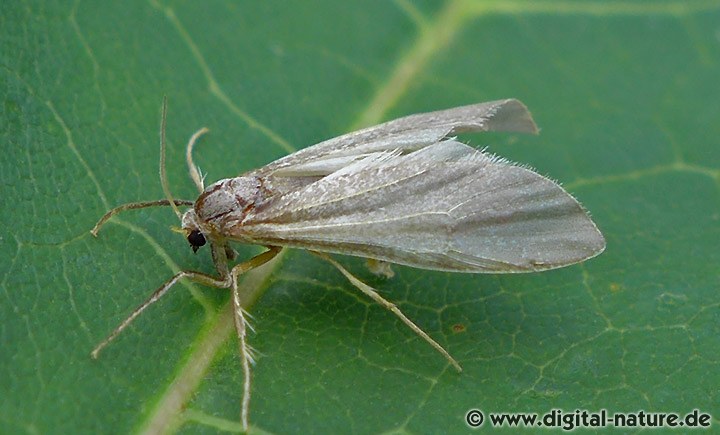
[627, 98]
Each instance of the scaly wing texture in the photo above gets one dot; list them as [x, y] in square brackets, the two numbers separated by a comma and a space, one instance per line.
[446, 206]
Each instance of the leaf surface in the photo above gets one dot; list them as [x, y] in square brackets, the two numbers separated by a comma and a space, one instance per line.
[626, 96]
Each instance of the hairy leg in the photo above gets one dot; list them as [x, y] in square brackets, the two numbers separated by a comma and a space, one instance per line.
[242, 325]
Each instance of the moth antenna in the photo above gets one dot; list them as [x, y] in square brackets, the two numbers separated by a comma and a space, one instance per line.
[195, 173]
[135, 205]
[163, 174]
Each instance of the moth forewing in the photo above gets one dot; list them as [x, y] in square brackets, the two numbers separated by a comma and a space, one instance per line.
[402, 192]
[446, 207]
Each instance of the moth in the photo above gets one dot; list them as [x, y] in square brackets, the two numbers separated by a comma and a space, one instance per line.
[403, 192]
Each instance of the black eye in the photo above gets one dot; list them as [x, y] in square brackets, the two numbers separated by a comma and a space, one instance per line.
[196, 239]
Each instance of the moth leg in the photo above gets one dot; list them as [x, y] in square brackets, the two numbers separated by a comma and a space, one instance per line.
[197, 277]
[132, 206]
[246, 358]
[380, 268]
[390, 306]
[242, 325]
[194, 171]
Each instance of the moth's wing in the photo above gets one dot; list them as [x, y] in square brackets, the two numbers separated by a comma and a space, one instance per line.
[446, 207]
[404, 135]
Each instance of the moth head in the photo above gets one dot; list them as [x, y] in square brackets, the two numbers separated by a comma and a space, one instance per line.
[192, 230]
[196, 239]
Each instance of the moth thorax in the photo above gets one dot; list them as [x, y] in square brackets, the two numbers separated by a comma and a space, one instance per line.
[230, 198]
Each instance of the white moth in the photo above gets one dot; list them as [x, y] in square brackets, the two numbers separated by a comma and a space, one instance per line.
[403, 192]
